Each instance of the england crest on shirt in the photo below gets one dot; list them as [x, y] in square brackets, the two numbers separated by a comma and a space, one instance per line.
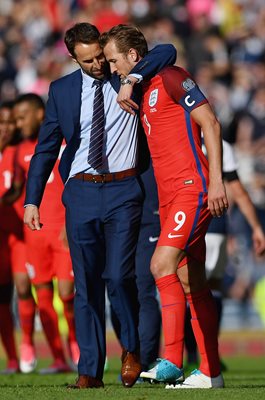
[153, 97]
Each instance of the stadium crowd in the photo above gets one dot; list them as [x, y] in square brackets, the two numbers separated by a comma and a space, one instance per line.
[220, 42]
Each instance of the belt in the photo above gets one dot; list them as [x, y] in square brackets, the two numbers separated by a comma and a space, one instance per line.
[115, 176]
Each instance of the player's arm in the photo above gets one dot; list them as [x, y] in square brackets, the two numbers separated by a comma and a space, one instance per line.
[155, 60]
[247, 208]
[12, 194]
[205, 118]
[124, 98]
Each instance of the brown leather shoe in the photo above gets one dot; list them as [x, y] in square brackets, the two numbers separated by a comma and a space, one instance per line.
[86, 382]
[130, 369]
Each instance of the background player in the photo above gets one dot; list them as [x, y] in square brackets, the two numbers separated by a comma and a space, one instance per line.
[47, 252]
[216, 257]
[11, 230]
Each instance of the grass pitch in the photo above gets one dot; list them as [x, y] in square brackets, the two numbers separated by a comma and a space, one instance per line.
[244, 380]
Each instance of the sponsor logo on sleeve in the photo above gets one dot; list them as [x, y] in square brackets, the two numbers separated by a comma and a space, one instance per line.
[188, 84]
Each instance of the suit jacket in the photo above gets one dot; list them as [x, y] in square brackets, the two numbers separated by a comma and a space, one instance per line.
[62, 120]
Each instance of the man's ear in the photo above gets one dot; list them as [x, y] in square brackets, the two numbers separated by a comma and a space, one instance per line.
[134, 55]
[40, 112]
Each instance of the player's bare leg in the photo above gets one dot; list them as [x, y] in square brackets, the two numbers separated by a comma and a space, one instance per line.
[66, 294]
[7, 328]
[26, 312]
[50, 324]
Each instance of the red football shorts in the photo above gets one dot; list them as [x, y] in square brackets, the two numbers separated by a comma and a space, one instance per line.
[184, 224]
[12, 257]
[47, 256]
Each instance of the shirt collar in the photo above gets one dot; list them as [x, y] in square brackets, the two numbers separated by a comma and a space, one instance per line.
[88, 80]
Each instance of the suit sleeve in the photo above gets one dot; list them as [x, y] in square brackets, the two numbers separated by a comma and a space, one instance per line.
[155, 60]
[46, 153]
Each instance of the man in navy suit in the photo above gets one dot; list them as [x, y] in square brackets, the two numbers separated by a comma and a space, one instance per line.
[103, 202]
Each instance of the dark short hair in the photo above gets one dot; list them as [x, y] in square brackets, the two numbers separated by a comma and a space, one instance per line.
[80, 33]
[9, 104]
[125, 37]
[31, 98]
[16, 139]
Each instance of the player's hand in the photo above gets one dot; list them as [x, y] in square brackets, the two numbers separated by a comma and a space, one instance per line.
[32, 218]
[258, 239]
[124, 99]
[217, 199]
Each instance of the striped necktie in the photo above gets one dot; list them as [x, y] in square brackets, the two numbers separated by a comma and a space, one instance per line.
[97, 128]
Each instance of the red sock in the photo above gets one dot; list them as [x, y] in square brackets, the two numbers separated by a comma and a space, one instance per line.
[173, 306]
[205, 329]
[49, 320]
[26, 311]
[7, 331]
[68, 306]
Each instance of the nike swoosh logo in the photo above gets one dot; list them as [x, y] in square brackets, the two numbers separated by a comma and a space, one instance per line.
[153, 239]
[170, 236]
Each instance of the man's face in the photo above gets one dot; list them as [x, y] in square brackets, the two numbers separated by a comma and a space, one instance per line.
[28, 119]
[91, 59]
[7, 125]
[119, 62]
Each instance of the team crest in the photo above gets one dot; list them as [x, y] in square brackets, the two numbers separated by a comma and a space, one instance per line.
[153, 98]
[188, 84]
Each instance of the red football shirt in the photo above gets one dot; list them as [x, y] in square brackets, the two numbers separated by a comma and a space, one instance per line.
[10, 216]
[51, 210]
[6, 168]
[174, 139]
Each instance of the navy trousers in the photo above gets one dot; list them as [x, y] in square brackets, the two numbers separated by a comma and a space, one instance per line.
[149, 316]
[149, 313]
[149, 327]
[102, 222]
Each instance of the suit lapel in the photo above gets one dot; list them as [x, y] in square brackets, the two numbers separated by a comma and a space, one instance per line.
[73, 93]
[75, 98]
